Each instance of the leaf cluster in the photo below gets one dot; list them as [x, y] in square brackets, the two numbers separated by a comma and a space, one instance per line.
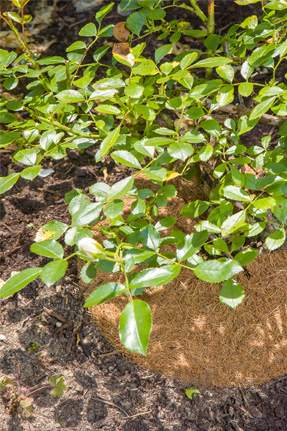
[158, 117]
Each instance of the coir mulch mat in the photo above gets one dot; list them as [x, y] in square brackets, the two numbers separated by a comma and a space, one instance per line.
[194, 337]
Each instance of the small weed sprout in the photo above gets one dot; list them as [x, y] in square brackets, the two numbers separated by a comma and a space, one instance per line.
[19, 398]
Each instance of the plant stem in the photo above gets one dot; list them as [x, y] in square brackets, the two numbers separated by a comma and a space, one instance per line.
[198, 11]
[126, 276]
[210, 30]
[210, 20]
[67, 129]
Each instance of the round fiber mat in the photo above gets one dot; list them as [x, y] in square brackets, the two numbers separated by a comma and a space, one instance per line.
[197, 339]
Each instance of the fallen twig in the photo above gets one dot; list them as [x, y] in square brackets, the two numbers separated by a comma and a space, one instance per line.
[110, 404]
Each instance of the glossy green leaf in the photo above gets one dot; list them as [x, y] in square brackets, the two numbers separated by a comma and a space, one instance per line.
[276, 239]
[165, 131]
[76, 45]
[280, 211]
[150, 237]
[211, 126]
[264, 203]
[245, 257]
[6, 117]
[145, 111]
[212, 62]
[104, 293]
[104, 11]
[53, 271]
[8, 138]
[126, 159]
[246, 70]
[135, 326]
[205, 153]
[180, 151]
[27, 157]
[226, 72]
[138, 207]
[256, 229]
[194, 209]
[88, 272]
[10, 83]
[245, 88]
[195, 113]
[208, 226]
[165, 223]
[231, 293]
[155, 276]
[87, 215]
[233, 222]
[109, 141]
[100, 52]
[18, 281]
[158, 140]
[239, 179]
[70, 96]
[162, 51]
[135, 22]
[51, 60]
[220, 245]
[48, 248]
[31, 172]
[84, 82]
[219, 170]
[120, 188]
[262, 107]
[99, 189]
[237, 242]
[114, 208]
[236, 194]
[215, 271]
[146, 67]
[212, 41]
[134, 90]
[191, 245]
[89, 30]
[188, 59]
[225, 95]
[7, 182]
[156, 173]
[108, 109]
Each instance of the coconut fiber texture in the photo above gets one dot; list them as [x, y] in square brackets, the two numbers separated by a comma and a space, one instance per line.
[197, 339]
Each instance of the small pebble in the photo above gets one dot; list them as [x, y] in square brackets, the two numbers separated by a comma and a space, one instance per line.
[80, 172]
[73, 155]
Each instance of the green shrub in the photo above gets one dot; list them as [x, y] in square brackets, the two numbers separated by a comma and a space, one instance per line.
[130, 115]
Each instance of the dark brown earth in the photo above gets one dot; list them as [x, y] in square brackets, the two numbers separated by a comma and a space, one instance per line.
[104, 390]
